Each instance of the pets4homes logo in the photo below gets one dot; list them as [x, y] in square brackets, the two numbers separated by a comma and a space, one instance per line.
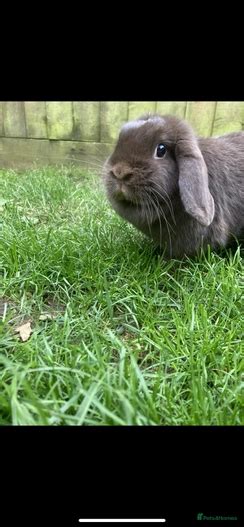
[202, 517]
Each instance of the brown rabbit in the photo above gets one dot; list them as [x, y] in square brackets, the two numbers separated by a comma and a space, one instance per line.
[182, 191]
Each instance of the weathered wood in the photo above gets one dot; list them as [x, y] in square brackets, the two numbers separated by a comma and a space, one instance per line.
[112, 115]
[171, 108]
[14, 119]
[22, 153]
[201, 116]
[84, 154]
[70, 121]
[59, 120]
[229, 117]
[25, 153]
[138, 108]
[36, 119]
[1, 120]
[86, 121]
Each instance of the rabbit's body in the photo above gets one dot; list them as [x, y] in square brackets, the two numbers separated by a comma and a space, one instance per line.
[191, 197]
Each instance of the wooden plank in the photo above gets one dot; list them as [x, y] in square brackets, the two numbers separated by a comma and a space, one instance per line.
[136, 109]
[1, 120]
[229, 117]
[59, 120]
[112, 116]
[36, 119]
[171, 108]
[84, 154]
[25, 153]
[14, 119]
[201, 116]
[86, 121]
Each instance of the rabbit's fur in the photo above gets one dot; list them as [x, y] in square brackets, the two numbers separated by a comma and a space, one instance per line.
[191, 197]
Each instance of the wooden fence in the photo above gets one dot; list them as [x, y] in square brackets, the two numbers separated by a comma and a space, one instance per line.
[83, 133]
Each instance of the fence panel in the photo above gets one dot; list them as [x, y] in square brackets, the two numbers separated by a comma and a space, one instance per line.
[36, 120]
[80, 131]
[14, 119]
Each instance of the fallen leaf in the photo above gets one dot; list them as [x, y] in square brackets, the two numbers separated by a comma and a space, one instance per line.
[24, 331]
[34, 220]
[30, 219]
[46, 316]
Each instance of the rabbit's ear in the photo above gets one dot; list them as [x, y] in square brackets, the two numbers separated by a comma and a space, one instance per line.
[193, 180]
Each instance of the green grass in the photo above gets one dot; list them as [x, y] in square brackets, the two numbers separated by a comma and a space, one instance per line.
[129, 338]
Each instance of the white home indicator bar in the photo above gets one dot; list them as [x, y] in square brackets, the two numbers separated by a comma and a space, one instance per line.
[119, 520]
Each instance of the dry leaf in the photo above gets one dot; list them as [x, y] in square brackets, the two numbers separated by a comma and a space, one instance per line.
[31, 219]
[24, 331]
[46, 316]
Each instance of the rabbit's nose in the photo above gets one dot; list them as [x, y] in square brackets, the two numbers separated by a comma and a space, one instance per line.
[122, 173]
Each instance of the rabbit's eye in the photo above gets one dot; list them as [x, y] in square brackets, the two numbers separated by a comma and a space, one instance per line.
[160, 150]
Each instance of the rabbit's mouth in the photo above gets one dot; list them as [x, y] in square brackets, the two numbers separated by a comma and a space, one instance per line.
[126, 198]
[122, 193]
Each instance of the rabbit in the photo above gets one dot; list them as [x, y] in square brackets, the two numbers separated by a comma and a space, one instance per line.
[184, 192]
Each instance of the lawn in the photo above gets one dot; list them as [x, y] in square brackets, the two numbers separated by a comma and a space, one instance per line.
[118, 335]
